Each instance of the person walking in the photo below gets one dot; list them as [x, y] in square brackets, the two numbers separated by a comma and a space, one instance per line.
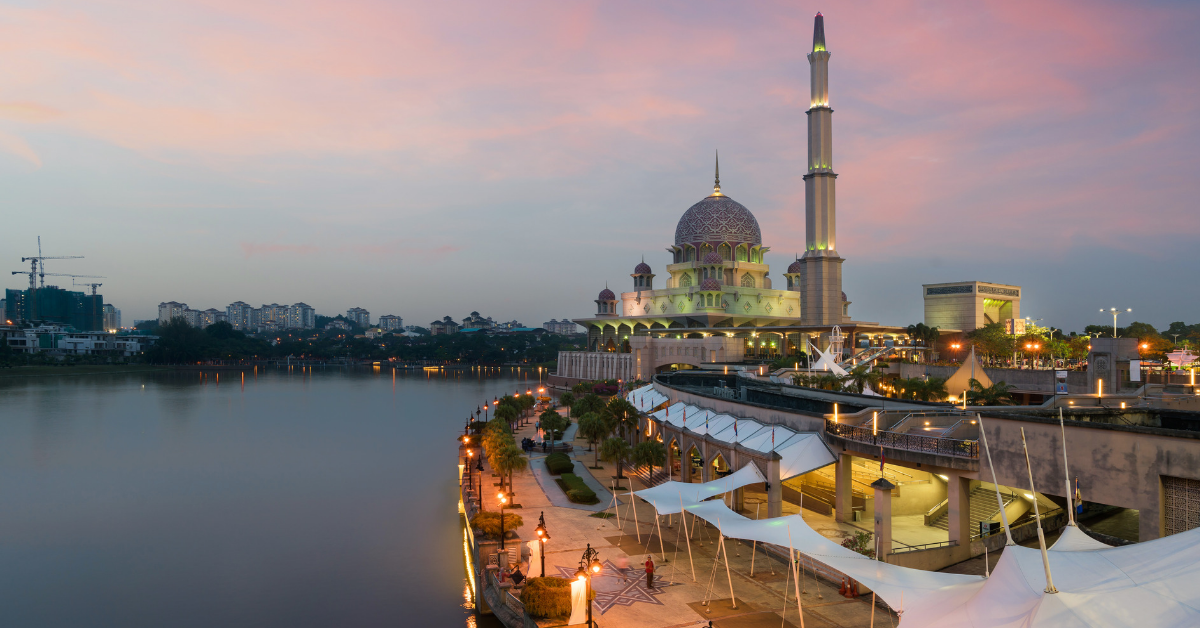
[623, 567]
[649, 573]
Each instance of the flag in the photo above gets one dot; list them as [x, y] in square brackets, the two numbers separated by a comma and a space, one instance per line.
[735, 430]
[706, 422]
[1078, 499]
[772, 438]
[882, 457]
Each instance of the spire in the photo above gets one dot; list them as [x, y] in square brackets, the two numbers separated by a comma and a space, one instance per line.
[717, 180]
[819, 34]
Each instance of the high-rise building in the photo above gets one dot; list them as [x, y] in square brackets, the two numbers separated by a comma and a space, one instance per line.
[239, 314]
[476, 321]
[302, 316]
[170, 310]
[391, 322]
[51, 304]
[444, 326]
[563, 327]
[273, 317]
[359, 316]
[112, 317]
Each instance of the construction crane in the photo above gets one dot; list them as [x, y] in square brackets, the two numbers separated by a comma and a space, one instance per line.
[38, 267]
[93, 286]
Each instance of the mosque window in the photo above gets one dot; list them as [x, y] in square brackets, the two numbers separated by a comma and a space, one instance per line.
[747, 280]
[689, 254]
[705, 250]
[724, 251]
[741, 253]
[685, 280]
[708, 299]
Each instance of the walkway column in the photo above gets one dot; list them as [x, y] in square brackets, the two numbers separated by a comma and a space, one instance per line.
[958, 518]
[685, 461]
[775, 488]
[883, 516]
[843, 477]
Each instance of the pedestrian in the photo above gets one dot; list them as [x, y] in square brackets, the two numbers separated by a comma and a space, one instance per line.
[649, 573]
[623, 567]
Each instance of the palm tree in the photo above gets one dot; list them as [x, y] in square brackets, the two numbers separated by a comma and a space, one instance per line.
[593, 428]
[566, 399]
[508, 461]
[624, 416]
[616, 451]
[827, 382]
[650, 453]
[507, 413]
[995, 395]
[863, 376]
[590, 402]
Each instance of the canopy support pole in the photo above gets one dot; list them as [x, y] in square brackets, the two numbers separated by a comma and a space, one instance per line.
[1041, 537]
[658, 524]
[1067, 472]
[683, 524]
[754, 545]
[728, 576]
[633, 504]
[795, 583]
[995, 483]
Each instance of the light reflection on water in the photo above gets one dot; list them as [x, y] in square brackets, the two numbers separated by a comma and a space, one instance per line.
[287, 497]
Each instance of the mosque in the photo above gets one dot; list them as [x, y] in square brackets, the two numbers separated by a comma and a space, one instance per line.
[717, 303]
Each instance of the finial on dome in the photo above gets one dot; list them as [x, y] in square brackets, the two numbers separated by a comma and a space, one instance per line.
[717, 181]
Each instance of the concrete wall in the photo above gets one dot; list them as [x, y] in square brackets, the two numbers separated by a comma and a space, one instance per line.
[1021, 379]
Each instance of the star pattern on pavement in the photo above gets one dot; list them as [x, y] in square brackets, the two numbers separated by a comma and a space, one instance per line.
[612, 591]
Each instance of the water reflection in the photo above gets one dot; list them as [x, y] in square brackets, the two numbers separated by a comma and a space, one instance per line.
[309, 497]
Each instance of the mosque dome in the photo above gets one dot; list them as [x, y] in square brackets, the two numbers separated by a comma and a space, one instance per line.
[796, 267]
[844, 296]
[716, 219]
[606, 295]
[642, 269]
[713, 258]
[710, 284]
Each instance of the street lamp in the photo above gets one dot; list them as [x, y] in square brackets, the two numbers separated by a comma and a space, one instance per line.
[542, 536]
[1115, 311]
[479, 468]
[589, 565]
[503, 500]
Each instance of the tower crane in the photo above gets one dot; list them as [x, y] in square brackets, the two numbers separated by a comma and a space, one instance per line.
[38, 267]
[32, 286]
[93, 286]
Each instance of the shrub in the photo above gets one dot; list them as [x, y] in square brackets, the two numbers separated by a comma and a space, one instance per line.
[576, 490]
[558, 462]
[547, 597]
[489, 523]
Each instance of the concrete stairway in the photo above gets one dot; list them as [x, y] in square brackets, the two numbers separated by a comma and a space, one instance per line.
[983, 508]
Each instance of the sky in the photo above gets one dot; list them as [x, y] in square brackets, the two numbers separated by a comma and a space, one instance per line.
[429, 159]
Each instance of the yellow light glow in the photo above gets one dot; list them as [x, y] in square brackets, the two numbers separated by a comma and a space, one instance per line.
[835, 413]
[874, 423]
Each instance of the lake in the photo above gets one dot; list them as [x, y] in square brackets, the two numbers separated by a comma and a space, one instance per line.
[284, 497]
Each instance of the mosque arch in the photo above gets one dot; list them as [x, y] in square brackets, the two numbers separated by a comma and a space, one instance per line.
[724, 251]
[705, 249]
[747, 280]
[741, 253]
[685, 280]
[694, 460]
[689, 253]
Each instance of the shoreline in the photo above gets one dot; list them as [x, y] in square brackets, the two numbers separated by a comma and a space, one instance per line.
[17, 372]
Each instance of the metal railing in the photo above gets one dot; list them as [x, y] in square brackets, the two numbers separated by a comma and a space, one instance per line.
[924, 546]
[908, 442]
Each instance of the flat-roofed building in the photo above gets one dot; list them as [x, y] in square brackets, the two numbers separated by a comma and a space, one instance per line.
[969, 305]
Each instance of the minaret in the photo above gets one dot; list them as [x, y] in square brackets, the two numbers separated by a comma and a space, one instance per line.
[821, 278]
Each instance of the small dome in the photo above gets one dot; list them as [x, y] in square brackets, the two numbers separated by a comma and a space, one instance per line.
[642, 269]
[713, 258]
[795, 267]
[844, 296]
[606, 295]
[710, 284]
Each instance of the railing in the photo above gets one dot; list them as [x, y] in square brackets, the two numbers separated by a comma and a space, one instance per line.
[924, 546]
[937, 511]
[908, 442]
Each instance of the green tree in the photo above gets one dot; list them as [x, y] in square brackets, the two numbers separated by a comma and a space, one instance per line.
[992, 341]
[623, 416]
[553, 424]
[650, 453]
[509, 460]
[863, 376]
[507, 413]
[566, 399]
[616, 451]
[995, 395]
[593, 428]
[590, 402]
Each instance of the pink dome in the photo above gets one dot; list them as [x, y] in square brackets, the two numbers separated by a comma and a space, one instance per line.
[795, 267]
[606, 295]
[710, 284]
[642, 269]
[844, 296]
[713, 258]
[717, 219]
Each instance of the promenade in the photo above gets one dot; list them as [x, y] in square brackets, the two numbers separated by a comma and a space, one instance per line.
[681, 585]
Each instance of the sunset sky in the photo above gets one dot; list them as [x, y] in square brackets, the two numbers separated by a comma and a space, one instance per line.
[434, 158]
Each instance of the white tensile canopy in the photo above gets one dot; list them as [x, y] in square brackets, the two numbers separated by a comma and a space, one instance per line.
[646, 398]
[671, 497]
[826, 363]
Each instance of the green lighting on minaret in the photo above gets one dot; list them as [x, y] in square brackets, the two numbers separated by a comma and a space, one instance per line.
[819, 34]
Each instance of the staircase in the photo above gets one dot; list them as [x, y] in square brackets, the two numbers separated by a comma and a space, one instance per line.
[643, 475]
[866, 355]
[983, 508]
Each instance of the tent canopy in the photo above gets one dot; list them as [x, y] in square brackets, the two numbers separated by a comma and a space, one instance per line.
[671, 497]
[970, 369]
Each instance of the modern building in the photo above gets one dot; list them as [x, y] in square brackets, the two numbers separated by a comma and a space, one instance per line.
[337, 323]
[112, 317]
[444, 326]
[476, 321]
[359, 316]
[301, 316]
[59, 340]
[969, 305]
[239, 314]
[169, 310]
[564, 327]
[391, 322]
[51, 304]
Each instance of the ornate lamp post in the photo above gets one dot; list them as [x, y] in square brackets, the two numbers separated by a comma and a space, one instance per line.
[589, 565]
[542, 536]
[479, 468]
[503, 500]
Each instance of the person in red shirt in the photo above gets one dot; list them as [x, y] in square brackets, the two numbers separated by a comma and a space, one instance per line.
[649, 573]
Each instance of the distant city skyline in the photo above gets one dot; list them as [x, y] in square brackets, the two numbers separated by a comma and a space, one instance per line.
[429, 160]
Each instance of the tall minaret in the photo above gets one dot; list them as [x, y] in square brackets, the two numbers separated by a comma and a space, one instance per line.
[821, 278]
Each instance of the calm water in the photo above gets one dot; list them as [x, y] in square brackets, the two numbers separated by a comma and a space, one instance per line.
[321, 498]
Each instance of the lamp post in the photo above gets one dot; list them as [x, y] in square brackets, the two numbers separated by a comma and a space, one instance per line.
[479, 468]
[503, 500]
[589, 565]
[1115, 311]
[542, 536]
